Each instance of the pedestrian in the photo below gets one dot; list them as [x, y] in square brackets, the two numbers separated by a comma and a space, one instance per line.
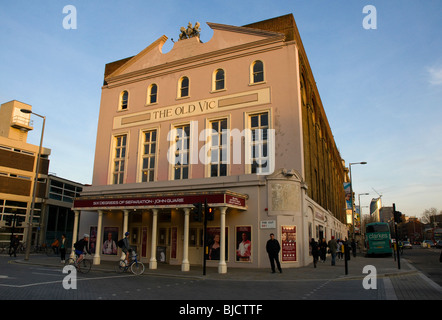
[63, 248]
[323, 249]
[353, 247]
[339, 252]
[15, 242]
[315, 251]
[55, 245]
[273, 249]
[333, 246]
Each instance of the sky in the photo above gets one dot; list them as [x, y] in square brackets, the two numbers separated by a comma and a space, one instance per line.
[378, 72]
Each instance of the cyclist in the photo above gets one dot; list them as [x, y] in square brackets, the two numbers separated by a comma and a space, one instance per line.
[127, 249]
[80, 246]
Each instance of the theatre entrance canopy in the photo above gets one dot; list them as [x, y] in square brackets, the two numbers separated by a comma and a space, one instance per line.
[164, 200]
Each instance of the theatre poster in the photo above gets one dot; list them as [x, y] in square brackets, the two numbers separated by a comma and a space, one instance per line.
[288, 243]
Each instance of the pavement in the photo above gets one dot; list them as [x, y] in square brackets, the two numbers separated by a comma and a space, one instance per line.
[406, 283]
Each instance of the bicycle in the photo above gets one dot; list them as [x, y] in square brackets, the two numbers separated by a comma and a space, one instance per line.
[52, 251]
[137, 267]
[83, 267]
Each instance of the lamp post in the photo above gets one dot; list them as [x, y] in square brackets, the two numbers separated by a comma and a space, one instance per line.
[351, 191]
[34, 191]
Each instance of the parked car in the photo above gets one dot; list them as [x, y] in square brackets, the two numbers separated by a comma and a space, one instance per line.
[407, 245]
[427, 244]
[439, 244]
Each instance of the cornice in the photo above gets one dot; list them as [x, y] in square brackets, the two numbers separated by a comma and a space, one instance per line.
[244, 30]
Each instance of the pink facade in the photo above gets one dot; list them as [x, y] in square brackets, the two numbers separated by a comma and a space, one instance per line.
[153, 94]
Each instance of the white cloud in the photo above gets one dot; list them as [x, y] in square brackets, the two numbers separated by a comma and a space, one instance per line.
[435, 74]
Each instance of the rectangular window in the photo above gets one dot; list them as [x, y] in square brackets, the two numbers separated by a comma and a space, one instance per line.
[218, 148]
[181, 163]
[119, 159]
[149, 152]
[259, 127]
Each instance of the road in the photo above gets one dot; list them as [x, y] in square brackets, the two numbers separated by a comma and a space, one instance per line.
[425, 260]
[25, 281]
[19, 281]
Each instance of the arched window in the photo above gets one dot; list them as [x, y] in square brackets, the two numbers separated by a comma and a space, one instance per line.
[257, 71]
[219, 80]
[152, 94]
[124, 100]
[184, 87]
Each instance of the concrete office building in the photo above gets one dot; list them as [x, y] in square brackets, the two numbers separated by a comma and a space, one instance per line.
[237, 121]
[17, 172]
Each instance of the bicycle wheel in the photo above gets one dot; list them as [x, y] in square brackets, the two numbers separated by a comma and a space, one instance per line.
[84, 266]
[49, 251]
[137, 268]
[121, 266]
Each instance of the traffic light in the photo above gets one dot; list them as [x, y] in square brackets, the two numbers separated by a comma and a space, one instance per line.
[8, 220]
[397, 216]
[210, 213]
[198, 212]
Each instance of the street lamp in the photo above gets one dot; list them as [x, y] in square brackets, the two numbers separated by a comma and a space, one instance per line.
[351, 191]
[34, 191]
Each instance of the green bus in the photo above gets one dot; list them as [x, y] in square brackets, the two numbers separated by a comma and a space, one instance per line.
[378, 238]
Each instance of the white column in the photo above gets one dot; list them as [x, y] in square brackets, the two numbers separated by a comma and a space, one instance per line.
[185, 265]
[153, 248]
[222, 266]
[125, 221]
[99, 237]
[75, 233]
[125, 228]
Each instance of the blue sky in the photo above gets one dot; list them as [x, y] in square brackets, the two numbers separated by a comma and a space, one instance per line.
[381, 88]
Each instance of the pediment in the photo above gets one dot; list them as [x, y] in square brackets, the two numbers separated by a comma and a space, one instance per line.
[224, 37]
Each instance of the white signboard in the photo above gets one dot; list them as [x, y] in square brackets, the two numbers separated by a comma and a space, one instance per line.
[268, 224]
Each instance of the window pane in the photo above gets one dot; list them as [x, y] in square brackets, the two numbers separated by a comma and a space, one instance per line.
[264, 120]
[177, 173]
[254, 121]
[213, 170]
[258, 72]
[224, 124]
[145, 163]
[223, 170]
[220, 75]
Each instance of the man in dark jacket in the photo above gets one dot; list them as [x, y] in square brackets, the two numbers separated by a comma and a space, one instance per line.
[15, 242]
[273, 249]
